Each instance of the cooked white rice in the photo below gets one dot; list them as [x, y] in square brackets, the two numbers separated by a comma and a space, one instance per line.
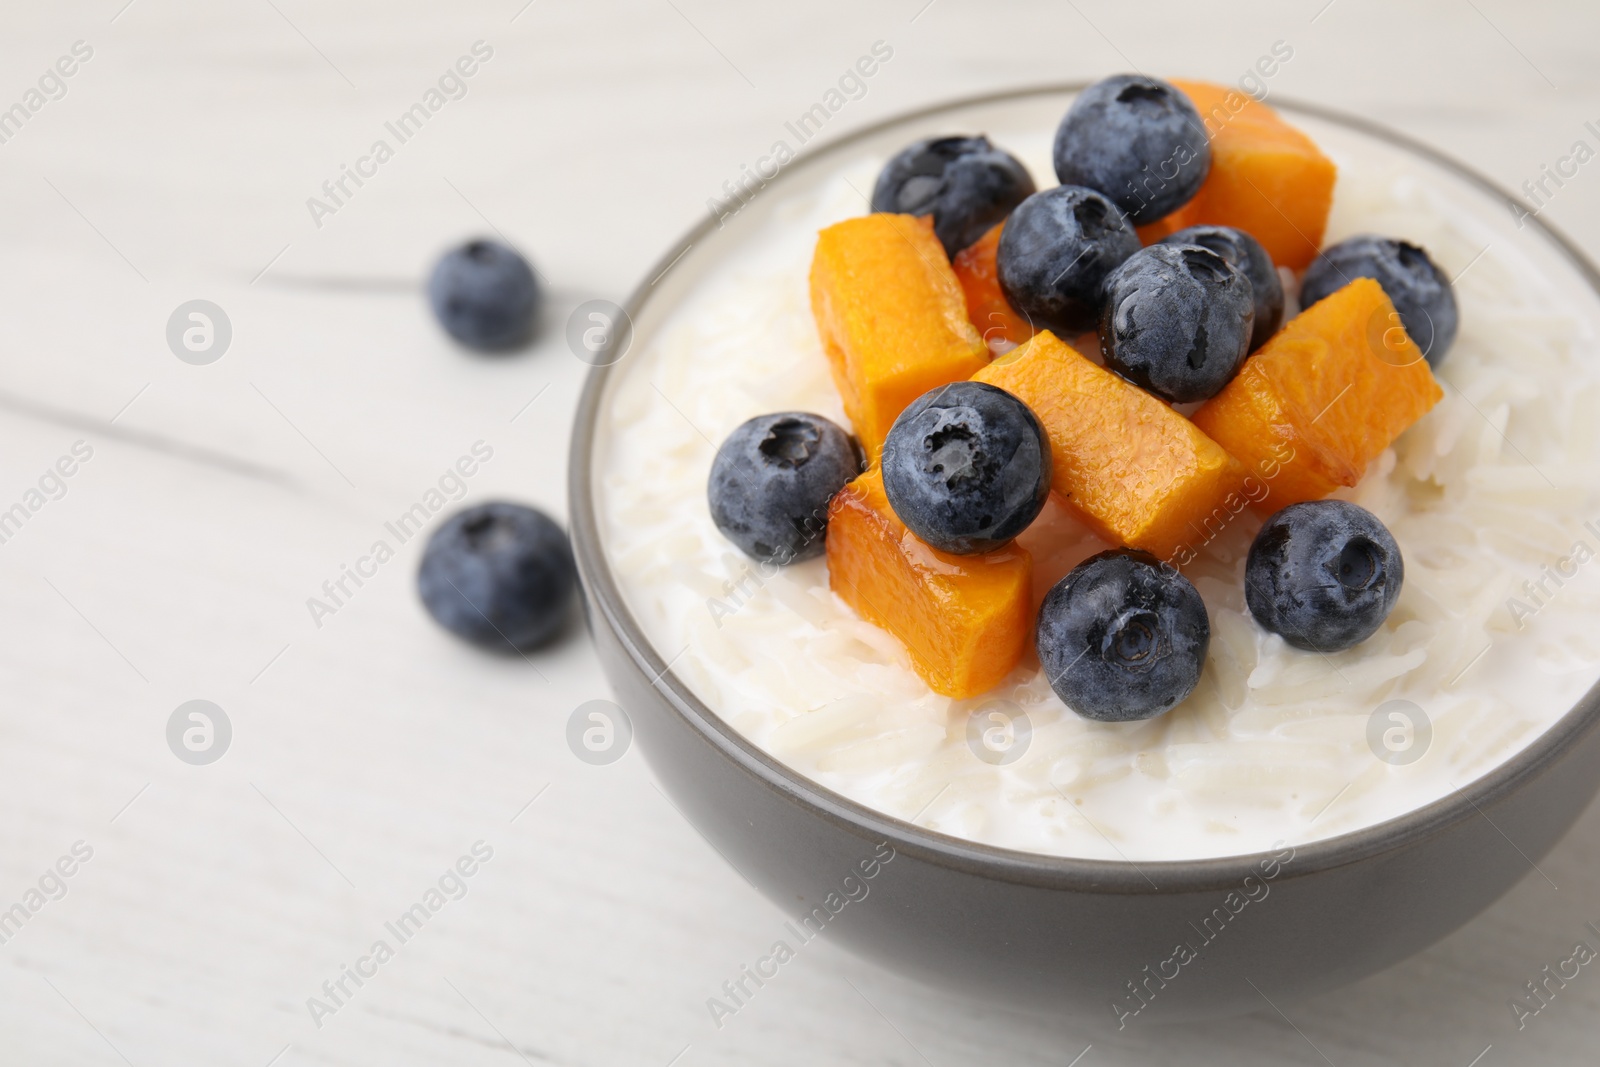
[1491, 486]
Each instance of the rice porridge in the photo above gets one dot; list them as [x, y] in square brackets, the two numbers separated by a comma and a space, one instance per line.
[1490, 496]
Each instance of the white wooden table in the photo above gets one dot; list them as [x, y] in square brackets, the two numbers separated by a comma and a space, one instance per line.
[369, 753]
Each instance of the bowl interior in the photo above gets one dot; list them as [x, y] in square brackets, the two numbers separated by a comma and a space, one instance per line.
[1021, 121]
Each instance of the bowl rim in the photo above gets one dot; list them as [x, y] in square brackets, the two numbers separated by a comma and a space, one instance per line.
[1122, 876]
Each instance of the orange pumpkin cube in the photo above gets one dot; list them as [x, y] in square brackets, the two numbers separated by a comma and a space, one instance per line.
[1139, 473]
[1267, 178]
[965, 620]
[1324, 397]
[892, 317]
[987, 306]
[1165, 227]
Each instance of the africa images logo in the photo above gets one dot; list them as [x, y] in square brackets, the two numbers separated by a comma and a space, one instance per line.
[1252, 889]
[451, 85]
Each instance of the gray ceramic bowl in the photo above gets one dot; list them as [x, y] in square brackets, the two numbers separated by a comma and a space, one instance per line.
[1070, 935]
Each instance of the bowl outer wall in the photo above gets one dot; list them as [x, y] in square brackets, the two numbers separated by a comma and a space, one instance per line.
[1058, 933]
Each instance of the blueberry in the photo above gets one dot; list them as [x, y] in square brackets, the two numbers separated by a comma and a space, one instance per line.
[1055, 252]
[1139, 141]
[1122, 637]
[966, 467]
[1177, 320]
[484, 295]
[1245, 253]
[498, 575]
[1419, 289]
[1324, 574]
[965, 183]
[772, 480]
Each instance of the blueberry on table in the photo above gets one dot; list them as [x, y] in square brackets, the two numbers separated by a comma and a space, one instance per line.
[966, 467]
[484, 295]
[1324, 574]
[1139, 141]
[1245, 253]
[771, 482]
[1420, 291]
[1055, 252]
[1122, 637]
[1177, 320]
[498, 575]
[965, 183]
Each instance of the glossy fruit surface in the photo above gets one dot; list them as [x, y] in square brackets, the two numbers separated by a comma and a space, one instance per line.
[965, 183]
[892, 318]
[967, 467]
[964, 621]
[1136, 472]
[1421, 292]
[1322, 399]
[771, 482]
[1139, 141]
[1245, 253]
[1267, 177]
[1177, 320]
[1055, 252]
[1324, 574]
[1121, 637]
[987, 307]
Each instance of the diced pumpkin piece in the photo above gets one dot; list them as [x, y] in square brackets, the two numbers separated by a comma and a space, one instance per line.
[892, 317]
[1138, 472]
[965, 620]
[1164, 227]
[1267, 178]
[1324, 397]
[987, 306]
